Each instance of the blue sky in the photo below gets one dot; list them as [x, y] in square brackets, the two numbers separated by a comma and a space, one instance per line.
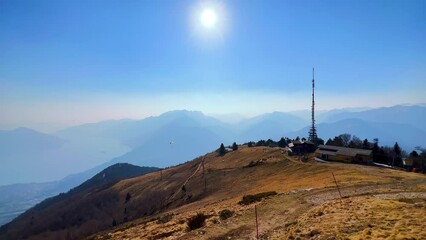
[68, 62]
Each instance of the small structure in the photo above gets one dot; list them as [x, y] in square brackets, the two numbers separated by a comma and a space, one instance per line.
[408, 164]
[299, 147]
[343, 154]
[229, 149]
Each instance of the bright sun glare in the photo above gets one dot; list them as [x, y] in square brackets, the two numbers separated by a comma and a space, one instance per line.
[208, 18]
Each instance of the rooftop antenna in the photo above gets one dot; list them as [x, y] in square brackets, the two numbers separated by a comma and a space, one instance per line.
[313, 131]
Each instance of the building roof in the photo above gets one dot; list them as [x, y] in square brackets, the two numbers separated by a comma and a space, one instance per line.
[299, 142]
[334, 150]
[407, 162]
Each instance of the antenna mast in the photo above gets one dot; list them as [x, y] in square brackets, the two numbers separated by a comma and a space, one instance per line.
[313, 131]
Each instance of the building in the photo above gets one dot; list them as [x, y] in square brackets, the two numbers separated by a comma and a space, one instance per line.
[301, 147]
[344, 154]
[408, 164]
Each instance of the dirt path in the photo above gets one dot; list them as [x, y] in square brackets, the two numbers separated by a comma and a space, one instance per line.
[186, 181]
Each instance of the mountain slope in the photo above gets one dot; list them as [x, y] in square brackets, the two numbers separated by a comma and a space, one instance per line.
[172, 145]
[17, 198]
[102, 180]
[180, 192]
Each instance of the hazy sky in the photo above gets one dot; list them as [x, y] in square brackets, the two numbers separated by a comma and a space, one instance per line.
[67, 62]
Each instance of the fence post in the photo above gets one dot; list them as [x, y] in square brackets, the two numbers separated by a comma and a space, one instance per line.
[257, 223]
[204, 176]
[337, 185]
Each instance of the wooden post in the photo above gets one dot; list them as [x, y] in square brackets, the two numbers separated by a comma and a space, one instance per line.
[257, 223]
[337, 185]
[204, 176]
[161, 174]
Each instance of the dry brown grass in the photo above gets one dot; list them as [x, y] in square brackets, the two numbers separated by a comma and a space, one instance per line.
[361, 218]
[305, 206]
[293, 212]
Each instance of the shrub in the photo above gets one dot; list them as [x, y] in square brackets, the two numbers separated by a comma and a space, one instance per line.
[222, 150]
[225, 214]
[196, 221]
[234, 146]
[249, 199]
[128, 197]
[165, 218]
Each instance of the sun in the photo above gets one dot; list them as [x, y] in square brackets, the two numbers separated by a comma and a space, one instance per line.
[208, 18]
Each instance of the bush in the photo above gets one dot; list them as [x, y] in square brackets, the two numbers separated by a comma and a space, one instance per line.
[249, 199]
[196, 221]
[234, 146]
[164, 219]
[222, 150]
[128, 197]
[225, 214]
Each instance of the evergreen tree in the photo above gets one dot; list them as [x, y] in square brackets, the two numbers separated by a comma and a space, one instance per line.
[397, 149]
[128, 196]
[250, 144]
[269, 142]
[261, 143]
[397, 161]
[345, 138]
[282, 143]
[318, 141]
[222, 150]
[365, 144]
[234, 146]
[414, 154]
[375, 148]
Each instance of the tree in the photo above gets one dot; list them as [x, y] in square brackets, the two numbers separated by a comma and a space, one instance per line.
[422, 151]
[329, 141]
[355, 142]
[269, 142]
[128, 196]
[414, 154]
[303, 139]
[250, 144]
[375, 148]
[234, 146]
[318, 141]
[282, 143]
[346, 137]
[366, 144]
[222, 150]
[337, 141]
[261, 143]
[397, 158]
[397, 149]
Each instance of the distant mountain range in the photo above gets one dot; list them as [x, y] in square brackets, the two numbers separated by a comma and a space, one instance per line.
[178, 136]
[170, 139]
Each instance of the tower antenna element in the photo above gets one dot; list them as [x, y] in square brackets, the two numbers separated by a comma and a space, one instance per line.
[313, 131]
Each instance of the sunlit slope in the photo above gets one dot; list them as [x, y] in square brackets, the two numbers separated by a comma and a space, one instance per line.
[301, 186]
[135, 204]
